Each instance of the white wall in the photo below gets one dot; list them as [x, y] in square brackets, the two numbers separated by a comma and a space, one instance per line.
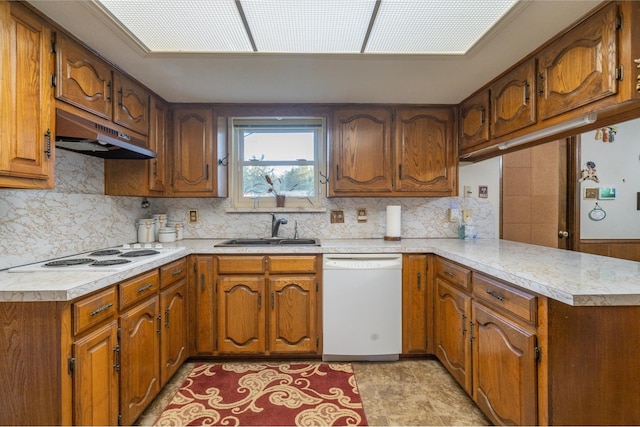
[617, 165]
[486, 172]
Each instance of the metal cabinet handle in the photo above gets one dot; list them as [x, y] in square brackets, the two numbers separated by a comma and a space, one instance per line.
[259, 300]
[116, 358]
[526, 92]
[166, 318]
[101, 309]
[159, 319]
[47, 143]
[448, 273]
[471, 327]
[109, 90]
[419, 279]
[540, 84]
[176, 272]
[144, 288]
[495, 295]
[120, 98]
[202, 282]
[273, 300]
[464, 324]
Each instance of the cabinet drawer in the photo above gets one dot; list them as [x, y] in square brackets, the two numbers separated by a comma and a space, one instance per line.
[94, 309]
[453, 273]
[173, 272]
[292, 264]
[138, 288]
[519, 303]
[240, 264]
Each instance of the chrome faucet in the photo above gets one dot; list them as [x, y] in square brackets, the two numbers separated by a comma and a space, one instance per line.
[275, 224]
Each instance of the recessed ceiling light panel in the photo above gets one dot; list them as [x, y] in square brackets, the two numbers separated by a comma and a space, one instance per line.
[182, 25]
[433, 26]
[309, 26]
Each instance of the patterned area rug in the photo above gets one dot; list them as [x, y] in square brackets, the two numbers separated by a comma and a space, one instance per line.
[267, 394]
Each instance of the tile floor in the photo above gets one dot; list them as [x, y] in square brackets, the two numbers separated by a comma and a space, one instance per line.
[406, 393]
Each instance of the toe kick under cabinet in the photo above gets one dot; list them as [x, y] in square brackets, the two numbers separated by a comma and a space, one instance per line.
[97, 360]
[526, 359]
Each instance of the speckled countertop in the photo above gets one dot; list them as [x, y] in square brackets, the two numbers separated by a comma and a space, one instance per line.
[571, 277]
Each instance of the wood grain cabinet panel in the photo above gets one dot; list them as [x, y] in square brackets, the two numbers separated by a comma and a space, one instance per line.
[292, 322]
[425, 151]
[474, 121]
[173, 339]
[361, 154]
[513, 100]
[27, 125]
[417, 304]
[131, 108]
[202, 303]
[580, 67]
[504, 369]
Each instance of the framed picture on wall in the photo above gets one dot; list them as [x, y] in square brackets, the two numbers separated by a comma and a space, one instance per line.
[590, 193]
[483, 191]
[607, 193]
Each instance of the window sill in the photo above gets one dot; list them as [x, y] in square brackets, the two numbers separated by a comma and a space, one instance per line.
[274, 209]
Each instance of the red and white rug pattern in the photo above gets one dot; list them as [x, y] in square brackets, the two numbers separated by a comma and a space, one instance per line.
[273, 394]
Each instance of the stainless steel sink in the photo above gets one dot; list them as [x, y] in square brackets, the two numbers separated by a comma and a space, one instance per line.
[267, 241]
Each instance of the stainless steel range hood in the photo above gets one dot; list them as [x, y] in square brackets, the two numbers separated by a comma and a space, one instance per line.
[76, 133]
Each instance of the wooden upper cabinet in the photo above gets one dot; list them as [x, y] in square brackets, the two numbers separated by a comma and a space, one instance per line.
[91, 84]
[513, 100]
[131, 108]
[425, 151]
[84, 80]
[474, 120]
[373, 154]
[158, 143]
[26, 99]
[361, 152]
[580, 67]
[196, 167]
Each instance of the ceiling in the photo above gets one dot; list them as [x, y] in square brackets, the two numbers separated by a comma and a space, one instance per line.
[285, 77]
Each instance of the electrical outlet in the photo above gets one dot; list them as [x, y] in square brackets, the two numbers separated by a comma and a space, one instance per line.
[362, 215]
[466, 215]
[193, 216]
[453, 214]
[337, 217]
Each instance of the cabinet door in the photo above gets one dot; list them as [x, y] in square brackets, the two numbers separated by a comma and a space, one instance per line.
[360, 152]
[474, 120]
[292, 314]
[426, 154]
[513, 100]
[140, 363]
[26, 99]
[84, 80]
[580, 67]
[416, 304]
[95, 378]
[202, 288]
[131, 109]
[241, 315]
[193, 151]
[158, 140]
[173, 341]
[452, 335]
[504, 369]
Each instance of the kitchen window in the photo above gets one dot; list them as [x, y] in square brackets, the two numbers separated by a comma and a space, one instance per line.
[277, 157]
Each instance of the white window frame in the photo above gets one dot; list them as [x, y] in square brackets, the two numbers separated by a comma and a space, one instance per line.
[238, 201]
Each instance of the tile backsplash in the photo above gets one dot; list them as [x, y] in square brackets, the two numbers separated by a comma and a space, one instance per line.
[77, 217]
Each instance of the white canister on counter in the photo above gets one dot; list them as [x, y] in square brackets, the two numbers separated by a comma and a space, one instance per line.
[166, 235]
[161, 221]
[146, 230]
[179, 229]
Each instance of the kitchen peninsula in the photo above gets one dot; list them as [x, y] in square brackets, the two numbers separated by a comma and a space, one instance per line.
[577, 314]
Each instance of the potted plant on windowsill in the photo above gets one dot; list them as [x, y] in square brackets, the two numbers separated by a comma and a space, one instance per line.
[280, 197]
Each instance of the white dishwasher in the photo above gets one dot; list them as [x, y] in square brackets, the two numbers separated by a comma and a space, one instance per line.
[362, 307]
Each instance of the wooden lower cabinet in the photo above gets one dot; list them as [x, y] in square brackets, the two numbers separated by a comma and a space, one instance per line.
[202, 305]
[241, 315]
[504, 368]
[95, 377]
[173, 342]
[272, 308]
[452, 334]
[139, 359]
[417, 304]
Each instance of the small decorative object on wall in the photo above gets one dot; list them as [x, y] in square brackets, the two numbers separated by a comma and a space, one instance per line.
[606, 134]
[483, 191]
[589, 173]
[597, 213]
[591, 192]
[607, 193]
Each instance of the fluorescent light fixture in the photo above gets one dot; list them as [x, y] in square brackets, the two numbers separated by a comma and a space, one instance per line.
[551, 130]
